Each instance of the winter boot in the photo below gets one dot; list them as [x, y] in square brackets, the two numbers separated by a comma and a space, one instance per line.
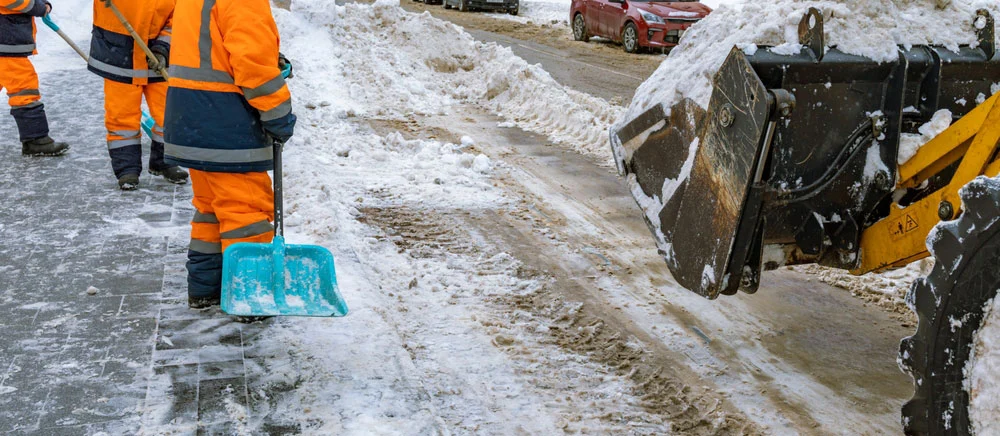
[157, 167]
[44, 146]
[199, 303]
[128, 182]
[172, 174]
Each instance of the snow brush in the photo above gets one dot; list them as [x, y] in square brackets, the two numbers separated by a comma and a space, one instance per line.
[274, 279]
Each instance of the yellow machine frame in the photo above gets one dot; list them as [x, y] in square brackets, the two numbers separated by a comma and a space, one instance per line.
[900, 238]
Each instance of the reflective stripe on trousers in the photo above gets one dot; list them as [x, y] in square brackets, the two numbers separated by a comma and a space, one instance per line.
[205, 233]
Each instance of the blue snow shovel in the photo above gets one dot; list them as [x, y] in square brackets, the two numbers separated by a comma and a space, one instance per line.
[277, 279]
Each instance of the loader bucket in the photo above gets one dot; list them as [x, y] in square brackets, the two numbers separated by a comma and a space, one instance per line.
[280, 280]
[794, 155]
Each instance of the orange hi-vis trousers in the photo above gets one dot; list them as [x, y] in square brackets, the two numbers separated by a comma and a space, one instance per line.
[123, 120]
[18, 77]
[229, 208]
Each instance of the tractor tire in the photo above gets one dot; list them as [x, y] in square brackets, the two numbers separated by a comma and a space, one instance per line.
[950, 304]
[630, 38]
[580, 28]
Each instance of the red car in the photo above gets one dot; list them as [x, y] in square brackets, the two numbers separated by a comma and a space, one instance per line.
[635, 24]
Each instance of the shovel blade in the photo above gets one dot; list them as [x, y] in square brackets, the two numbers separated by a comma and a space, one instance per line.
[306, 286]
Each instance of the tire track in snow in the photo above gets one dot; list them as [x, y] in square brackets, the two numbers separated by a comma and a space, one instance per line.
[548, 334]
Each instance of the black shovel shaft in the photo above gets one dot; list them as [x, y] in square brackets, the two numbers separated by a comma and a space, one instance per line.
[279, 222]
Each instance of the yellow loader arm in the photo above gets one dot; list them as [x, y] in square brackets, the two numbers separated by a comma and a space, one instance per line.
[971, 142]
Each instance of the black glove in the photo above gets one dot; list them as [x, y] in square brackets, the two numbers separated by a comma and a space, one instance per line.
[280, 129]
[161, 53]
[283, 62]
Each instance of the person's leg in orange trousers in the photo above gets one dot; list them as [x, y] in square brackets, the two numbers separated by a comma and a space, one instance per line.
[123, 118]
[229, 208]
[18, 78]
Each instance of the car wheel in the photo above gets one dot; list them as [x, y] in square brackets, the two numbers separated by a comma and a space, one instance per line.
[630, 38]
[462, 6]
[446, 5]
[580, 28]
[514, 10]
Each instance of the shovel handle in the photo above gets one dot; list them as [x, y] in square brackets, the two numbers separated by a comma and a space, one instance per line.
[52, 25]
[279, 203]
[138, 39]
[279, 222]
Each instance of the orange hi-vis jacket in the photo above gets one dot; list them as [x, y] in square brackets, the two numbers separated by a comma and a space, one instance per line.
[114, 54]
[17, 26]
[224, 80]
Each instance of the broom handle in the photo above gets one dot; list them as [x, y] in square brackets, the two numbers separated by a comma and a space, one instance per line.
[138, 39]
[279, 222]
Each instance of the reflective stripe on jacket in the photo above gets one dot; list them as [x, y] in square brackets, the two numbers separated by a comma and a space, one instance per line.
[224, 80]
[17, 27]
[114, 54]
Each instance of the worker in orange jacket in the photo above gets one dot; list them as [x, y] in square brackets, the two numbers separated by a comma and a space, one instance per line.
[227, 103]
[18, 77]
[116, 57]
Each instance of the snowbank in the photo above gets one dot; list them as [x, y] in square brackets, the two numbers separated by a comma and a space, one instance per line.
[417, 64]
[540, 12]
[714, 4]
[355, 64]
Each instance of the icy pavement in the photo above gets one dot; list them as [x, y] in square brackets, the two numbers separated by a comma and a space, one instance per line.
[95, 333]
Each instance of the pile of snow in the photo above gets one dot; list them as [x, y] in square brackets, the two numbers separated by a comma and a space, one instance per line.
[540, 12]
[982, 371]
[359, 374]
[714, 4]
[417, 64]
